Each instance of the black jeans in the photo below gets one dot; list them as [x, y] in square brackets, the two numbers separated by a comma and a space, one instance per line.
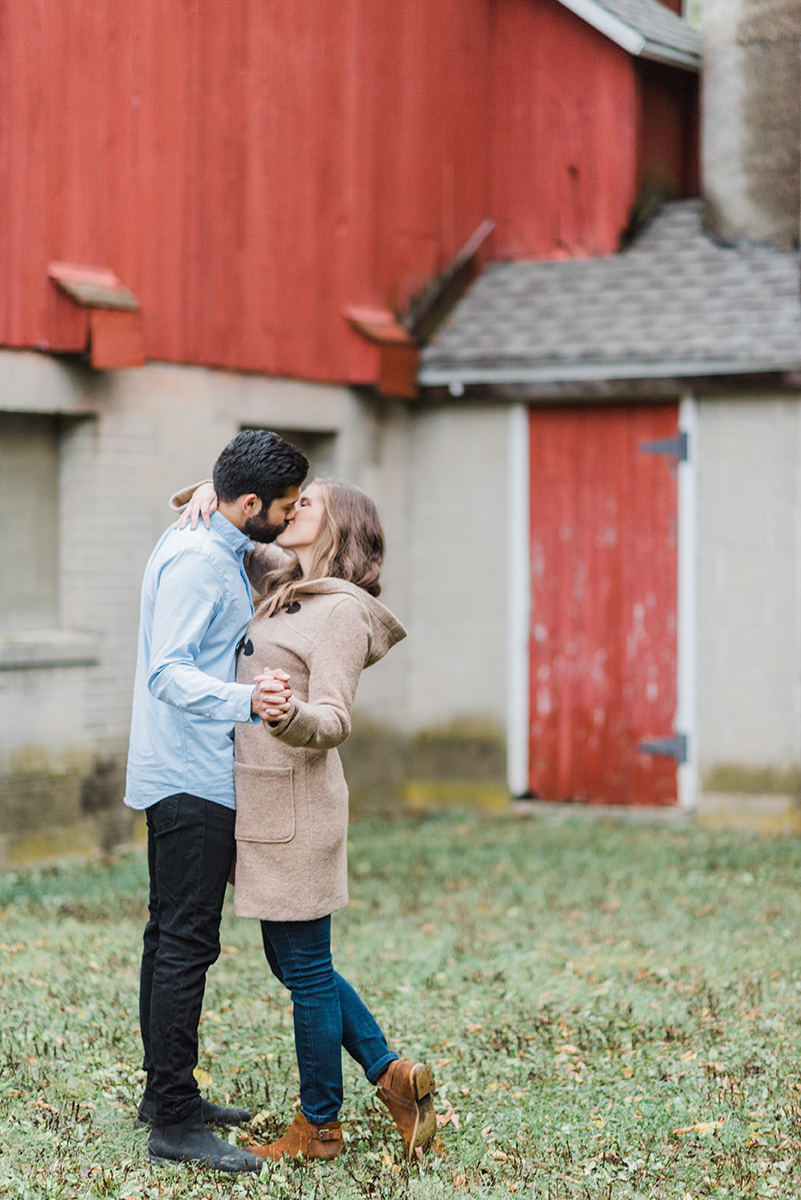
[190, 848]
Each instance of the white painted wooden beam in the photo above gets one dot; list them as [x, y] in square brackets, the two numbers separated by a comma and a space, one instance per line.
[687, 616]
[519, 583]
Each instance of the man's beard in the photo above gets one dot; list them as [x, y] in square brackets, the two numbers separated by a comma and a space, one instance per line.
[259, 529]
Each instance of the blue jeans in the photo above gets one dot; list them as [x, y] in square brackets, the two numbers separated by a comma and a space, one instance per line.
[328, 1014]
[190, 845]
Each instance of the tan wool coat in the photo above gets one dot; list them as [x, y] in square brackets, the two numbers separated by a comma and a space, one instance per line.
[291, 795]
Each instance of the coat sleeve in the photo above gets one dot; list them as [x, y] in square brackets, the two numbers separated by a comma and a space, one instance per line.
[336, 661]
[262, 559]
[180, 499]
[258, 561]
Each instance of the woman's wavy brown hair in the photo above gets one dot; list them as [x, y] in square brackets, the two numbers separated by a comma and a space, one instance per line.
[349, 545]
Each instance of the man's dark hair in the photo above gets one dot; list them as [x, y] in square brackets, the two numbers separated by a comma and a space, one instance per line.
[261, 462]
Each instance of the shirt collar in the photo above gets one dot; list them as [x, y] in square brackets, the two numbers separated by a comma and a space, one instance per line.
[236, 539]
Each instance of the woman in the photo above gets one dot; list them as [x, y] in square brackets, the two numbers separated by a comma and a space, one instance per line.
[317, 626]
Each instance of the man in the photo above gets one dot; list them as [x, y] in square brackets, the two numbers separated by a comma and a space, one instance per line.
[196, 605]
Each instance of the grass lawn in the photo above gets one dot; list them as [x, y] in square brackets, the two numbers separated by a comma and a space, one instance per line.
[611, 1011]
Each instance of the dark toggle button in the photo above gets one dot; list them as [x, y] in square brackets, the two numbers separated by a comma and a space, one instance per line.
[247, 649]
[291, 608]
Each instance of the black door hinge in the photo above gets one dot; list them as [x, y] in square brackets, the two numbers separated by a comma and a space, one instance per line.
[672, 747]
[677, 447]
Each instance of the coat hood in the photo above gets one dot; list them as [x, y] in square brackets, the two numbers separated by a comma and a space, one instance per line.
[386, 629]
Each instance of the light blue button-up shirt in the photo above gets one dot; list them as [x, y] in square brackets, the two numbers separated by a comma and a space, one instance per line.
[196, 604]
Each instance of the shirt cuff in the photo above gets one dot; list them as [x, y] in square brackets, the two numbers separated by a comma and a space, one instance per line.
[242, 693]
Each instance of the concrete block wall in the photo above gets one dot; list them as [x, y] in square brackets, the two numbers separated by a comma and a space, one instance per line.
[130, 438]
[430, 718]
[749, 591]
[440, 478]
[458, 574]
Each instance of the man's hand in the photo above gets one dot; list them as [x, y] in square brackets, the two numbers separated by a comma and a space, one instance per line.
[272, 696]
[202, 504]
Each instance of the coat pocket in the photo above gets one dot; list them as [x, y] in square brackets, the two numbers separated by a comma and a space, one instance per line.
[265, 803]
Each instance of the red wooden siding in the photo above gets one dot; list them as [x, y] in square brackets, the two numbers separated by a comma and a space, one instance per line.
[251, 168]
[564, 142]
[603, 614]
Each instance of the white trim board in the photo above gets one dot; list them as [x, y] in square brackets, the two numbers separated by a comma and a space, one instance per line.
[687, 619]
[519, 602]
[612, 27]
[572, 372]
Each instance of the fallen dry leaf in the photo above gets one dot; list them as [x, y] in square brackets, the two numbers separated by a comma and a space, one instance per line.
[702, 1127]
[448, 1118]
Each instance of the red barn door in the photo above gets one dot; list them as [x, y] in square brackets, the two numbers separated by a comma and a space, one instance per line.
[602, 644]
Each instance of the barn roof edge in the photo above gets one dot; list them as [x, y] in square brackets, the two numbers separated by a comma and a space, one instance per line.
[644, 28]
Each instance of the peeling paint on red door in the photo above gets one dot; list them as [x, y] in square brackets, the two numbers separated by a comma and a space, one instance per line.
[603, 649]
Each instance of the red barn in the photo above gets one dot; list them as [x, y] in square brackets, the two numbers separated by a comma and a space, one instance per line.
[250, 214]
[250, 171]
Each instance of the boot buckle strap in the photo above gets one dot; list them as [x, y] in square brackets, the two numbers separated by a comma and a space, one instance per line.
[329, 1135]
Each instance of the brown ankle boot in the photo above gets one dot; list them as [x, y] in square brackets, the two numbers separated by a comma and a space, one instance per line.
[405, 1088]
[303, 1140]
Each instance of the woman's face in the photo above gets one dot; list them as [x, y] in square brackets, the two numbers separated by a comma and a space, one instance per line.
[304, 526]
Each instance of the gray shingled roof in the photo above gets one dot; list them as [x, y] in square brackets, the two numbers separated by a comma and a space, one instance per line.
[675, 304]
[666, 36]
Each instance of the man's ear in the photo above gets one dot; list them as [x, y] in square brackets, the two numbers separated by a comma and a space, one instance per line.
[250, 504]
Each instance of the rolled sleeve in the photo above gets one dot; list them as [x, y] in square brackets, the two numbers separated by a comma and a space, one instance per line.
[190, 592]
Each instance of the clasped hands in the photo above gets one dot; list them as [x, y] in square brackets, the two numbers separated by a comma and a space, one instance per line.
[272, 696]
